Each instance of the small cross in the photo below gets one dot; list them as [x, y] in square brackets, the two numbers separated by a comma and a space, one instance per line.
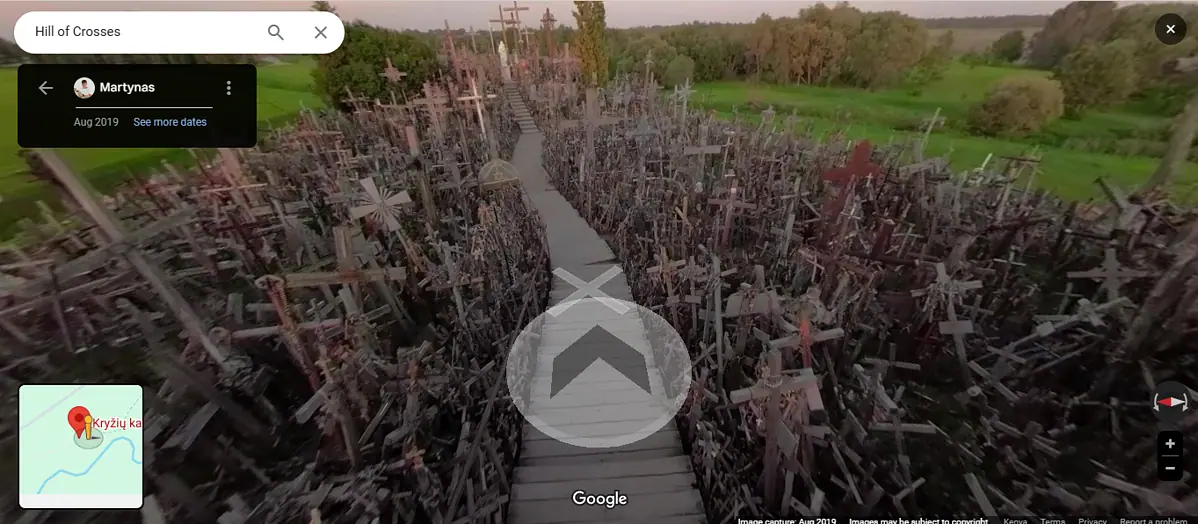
[392, 74]
[1112, 274]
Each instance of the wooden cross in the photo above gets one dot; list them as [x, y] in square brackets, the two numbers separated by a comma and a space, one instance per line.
[859, 166]
[948, 290]
[664, 270]
[1131, 216]
[456, 281]
[591, 121]
[767, 116]
[81, 192]
[345, 276]
[1113, 274]
[515, 11]
[778, 438]
[99, 257]
[703, 150]
[683, 93]
[730, 205]
[379, 206]
[475, 97]
[392, 74]
[547, 21]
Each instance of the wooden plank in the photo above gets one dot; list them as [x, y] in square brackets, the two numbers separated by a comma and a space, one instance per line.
[554, 448]
[630, 486]
[560, 511]
[531, 433]
[603, 429]
[604, 458]
[607, 398]
[661, 466]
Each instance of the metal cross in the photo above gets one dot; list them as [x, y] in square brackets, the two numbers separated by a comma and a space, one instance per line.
[379, 206]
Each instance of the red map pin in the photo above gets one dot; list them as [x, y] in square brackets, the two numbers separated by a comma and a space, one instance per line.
[75, 417]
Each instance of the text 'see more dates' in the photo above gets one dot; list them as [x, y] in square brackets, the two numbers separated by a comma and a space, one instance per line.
[137, 106]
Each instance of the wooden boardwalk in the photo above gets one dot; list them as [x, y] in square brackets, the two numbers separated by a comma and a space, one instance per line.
[653, 473]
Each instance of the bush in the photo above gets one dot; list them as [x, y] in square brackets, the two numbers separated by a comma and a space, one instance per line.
[1008, 48]
[1017, 106]
[1097, 77]
[679, 71]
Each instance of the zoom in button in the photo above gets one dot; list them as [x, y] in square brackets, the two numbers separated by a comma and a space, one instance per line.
[1169, 456]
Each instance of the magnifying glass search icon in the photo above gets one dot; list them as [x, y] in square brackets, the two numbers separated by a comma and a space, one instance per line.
[273, 30]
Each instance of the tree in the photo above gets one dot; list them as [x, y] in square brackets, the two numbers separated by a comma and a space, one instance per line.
[1009, 47]
[936, 59]
[591, 18]
[679, 70]
[632, 58]
[1068, 29]
[322, 5]
[1097, 76]
[1181, 140]
[11, 53]
[888, 45]
[356, 67]
[1016, 106]
[760, 43]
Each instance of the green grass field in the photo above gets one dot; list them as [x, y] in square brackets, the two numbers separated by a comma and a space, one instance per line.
[1069, 167]
[283, 89]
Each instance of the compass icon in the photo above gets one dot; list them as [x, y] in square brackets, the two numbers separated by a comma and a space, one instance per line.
[1170, 402]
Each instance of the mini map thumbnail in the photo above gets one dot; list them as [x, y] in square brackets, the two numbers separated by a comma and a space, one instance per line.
[80, 446]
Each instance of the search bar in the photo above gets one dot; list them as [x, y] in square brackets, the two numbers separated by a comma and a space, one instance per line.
[179, 32]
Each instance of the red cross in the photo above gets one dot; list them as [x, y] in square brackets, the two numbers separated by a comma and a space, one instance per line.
[859, 166]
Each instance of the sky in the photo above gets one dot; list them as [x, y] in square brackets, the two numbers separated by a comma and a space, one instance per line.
[422, 15]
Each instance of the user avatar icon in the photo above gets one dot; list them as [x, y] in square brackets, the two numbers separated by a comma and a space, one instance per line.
[85, 88]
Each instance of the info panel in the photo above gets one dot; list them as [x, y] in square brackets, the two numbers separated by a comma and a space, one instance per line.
[137, 105]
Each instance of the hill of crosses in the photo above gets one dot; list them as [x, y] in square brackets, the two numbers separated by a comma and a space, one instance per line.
[326, 326]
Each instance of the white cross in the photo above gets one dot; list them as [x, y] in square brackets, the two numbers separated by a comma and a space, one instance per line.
[1169, 443]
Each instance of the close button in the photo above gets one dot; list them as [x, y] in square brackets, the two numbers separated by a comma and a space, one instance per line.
[320, 33]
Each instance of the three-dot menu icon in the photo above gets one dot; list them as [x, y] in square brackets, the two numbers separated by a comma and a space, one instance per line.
[1169, 456]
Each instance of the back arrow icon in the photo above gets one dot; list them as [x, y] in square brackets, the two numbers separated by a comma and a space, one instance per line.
[43, 88]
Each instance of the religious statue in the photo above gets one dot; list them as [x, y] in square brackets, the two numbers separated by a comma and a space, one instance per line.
[504, 67]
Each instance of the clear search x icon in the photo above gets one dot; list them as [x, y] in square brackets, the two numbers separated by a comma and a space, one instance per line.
[273, 30]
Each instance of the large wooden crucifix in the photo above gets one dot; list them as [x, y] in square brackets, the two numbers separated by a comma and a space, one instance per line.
[515, 22]
[547, 22]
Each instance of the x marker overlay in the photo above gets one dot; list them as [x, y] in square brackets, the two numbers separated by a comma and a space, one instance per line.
[588, 289]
